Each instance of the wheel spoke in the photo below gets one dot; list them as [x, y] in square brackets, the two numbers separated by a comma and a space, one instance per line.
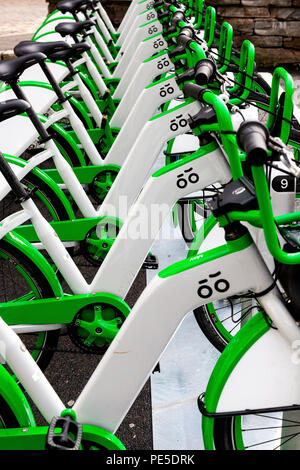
[270, 440]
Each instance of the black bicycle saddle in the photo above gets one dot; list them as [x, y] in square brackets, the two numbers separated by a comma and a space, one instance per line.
[47, 48]
[74, 51]
[12, 69]
[74, 28]
[71, 6]
[11, 108]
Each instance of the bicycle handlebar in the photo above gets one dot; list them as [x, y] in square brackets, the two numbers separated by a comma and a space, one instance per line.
[224, 123]
[190, 90]
[205, 70]
[177, 17]
[252, 137]
[185, 36]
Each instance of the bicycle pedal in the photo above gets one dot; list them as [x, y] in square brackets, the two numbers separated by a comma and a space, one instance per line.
[151, 262]
[63, 434]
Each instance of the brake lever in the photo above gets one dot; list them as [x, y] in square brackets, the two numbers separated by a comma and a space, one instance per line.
[289, 163]
[276, 144]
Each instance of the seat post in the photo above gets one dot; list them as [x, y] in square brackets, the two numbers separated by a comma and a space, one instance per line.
[30, 111]
[59, 93]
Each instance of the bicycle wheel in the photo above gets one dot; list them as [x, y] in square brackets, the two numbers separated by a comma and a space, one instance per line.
[47, 201]
[257, 432]
[186, 211]
[220, 321]
[22, 280]
[7, 416]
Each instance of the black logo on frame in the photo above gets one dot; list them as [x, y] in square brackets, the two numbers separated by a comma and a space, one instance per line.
[178, 121]
[183, 179]
[221, 285]
[165, 90]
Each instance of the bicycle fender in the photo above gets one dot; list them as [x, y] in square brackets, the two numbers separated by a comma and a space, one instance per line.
[13, 395]
[253, 330]
[258, 370]
[37, 258]
[47, 180]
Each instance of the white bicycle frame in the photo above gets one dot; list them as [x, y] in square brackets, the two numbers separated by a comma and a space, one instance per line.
[133, 353]
[145, 73]
[139, 20]
[161, 191]
[36, 96]
[140, 160]
[142, 32]
[134, 9]
[127, 251]
[100, 10]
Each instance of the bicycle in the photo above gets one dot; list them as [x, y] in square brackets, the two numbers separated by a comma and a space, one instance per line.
[91, 407]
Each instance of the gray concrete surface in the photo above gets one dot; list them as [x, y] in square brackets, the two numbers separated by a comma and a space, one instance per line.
[19, 20]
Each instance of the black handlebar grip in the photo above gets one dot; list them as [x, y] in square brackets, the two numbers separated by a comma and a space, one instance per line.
[205, 70]
[178, 16]
[190, 90]
[184, 40]
[178, 50]
[188, 31]
[186, 36]
[170, 30]
[162, 15]
[252, 137]
[17, 188]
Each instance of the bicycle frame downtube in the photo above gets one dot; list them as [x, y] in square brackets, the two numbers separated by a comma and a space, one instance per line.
[88, 99]
[71, 181]
[33, 380]
[131, 86]
[139, 162]
[106, 19]
[56, 250]
[153, 205]
[149, 100]
[83, 135]
[95, 74]
[163, 299]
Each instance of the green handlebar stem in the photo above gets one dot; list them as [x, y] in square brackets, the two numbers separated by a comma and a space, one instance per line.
[209, 26]
[199, 53]
[246, 69]
[268, 221]
[281, 74]
[225, 46]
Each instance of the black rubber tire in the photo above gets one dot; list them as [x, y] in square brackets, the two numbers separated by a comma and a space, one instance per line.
[8, 205]
[204, 321]
[7, 416]
[185, 223]
[223, 434]
[71, 155]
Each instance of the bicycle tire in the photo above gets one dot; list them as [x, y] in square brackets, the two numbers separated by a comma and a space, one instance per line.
[23, 269]
[232, 433]
[48, 202]
[8, 418]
